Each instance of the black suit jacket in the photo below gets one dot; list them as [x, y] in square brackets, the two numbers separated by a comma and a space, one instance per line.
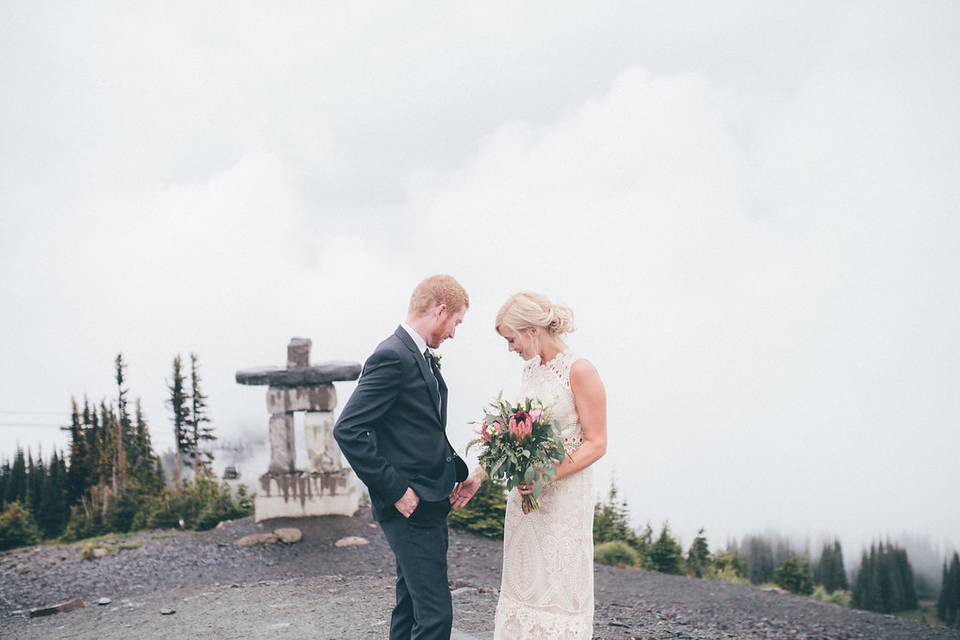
[392, 432]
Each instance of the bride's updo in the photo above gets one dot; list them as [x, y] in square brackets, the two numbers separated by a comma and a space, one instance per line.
[528, 309]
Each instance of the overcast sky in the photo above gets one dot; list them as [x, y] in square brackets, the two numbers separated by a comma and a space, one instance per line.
[752, 209]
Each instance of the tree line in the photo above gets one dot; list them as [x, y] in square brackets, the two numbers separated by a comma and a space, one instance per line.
[111, 479]
[884, 581]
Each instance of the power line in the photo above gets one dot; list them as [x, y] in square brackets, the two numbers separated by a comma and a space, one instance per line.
[34, 413]
[16, 424]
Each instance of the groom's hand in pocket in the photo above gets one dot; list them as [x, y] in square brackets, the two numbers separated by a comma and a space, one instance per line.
[407, 503]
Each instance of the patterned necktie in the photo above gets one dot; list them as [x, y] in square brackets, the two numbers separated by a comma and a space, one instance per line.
[429, 359]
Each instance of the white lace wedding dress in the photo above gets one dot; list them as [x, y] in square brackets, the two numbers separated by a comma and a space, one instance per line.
[546, 591]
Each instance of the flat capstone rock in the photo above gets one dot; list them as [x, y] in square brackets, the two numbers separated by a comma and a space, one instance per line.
[282, 377]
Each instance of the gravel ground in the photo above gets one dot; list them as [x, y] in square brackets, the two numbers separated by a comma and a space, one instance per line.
[313, 589]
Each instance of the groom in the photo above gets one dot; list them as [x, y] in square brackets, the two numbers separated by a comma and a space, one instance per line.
[392, 432]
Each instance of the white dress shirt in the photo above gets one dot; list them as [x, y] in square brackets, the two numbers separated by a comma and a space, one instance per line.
[417, 338]
[421, 347]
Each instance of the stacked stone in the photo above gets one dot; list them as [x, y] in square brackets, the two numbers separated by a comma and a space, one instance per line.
[302, 387]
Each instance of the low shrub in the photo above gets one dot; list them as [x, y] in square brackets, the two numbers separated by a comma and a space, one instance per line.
[838, 596]
[616, 553]
[17, 527]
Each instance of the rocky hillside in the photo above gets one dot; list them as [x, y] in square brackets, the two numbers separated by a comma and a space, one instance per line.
[167, 584]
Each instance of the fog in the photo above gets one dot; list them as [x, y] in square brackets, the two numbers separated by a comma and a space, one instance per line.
[752, 210]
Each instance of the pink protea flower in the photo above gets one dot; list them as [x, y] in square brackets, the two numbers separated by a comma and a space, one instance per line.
[485, 432]
[521, 425]
[536, 414]
[496, 428]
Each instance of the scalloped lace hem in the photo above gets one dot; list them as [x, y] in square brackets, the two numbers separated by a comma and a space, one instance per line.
[516, 621]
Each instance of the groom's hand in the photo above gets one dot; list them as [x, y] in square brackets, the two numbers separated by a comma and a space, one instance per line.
[464, 491]
[407, 503]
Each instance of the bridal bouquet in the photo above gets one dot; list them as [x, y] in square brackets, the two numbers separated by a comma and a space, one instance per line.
[516, 442]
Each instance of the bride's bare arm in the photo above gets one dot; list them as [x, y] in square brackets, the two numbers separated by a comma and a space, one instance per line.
[591, 401]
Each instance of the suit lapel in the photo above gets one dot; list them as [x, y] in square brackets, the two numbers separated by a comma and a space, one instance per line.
[428, 377]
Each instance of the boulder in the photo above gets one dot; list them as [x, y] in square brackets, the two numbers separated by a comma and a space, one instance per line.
[351, 541]
[257, 538]
[290, 535]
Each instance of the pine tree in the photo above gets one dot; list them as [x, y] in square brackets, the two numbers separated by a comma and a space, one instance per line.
[885, 581]
[942, 601]
[4, 481]
[838, 579]
[51, 512]
[904, 574]
[78, 473]
[611, 519]
[123, 429]
[698, 557]
[948, 605]
[17, 483]
[666, 555]
[35, 481]
[793, 574]
[106, 444]
[150, 470]
[201, 433]
[760, 564]
[180, 415]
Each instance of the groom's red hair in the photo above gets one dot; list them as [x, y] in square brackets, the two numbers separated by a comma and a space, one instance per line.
[436, 290]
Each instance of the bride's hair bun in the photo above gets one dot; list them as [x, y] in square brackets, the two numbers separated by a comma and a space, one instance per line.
[561, 320]
[528, 309]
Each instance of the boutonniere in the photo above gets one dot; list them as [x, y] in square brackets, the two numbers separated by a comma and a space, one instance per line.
[435, 356]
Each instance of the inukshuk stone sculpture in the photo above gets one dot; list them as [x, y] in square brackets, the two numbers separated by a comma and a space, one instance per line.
[327, 487]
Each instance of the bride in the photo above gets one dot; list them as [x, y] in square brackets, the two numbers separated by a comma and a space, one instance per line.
[546, 589]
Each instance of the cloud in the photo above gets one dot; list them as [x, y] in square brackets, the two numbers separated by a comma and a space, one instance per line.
[737, 369]
[751, 209]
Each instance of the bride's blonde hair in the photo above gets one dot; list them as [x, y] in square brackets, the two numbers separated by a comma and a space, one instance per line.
[527, 309]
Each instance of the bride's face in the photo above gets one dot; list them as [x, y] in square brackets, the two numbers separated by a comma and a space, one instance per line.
[519, 342]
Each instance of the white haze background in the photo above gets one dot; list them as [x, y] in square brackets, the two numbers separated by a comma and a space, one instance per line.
[752, 209]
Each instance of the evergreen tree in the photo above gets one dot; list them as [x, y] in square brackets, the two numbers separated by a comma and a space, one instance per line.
[4, 481]
[944, 598]
[666, 555]
[838, 579]
[123, 428]
[759, 555]
[146, 470]
[948, 605]
[106, 444]
[829, 571]
[180, 415]
[201, 433]
[793, 574]
[885, 581]
[698, 557]
[954, 608]
[35, 480]
[78, 473]
[903, 573]
[17, 482]
[611, 519]
[51, 514]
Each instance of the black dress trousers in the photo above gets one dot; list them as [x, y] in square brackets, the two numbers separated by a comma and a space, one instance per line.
[424, 610]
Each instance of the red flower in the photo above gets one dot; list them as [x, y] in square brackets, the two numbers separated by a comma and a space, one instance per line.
[521, 424]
